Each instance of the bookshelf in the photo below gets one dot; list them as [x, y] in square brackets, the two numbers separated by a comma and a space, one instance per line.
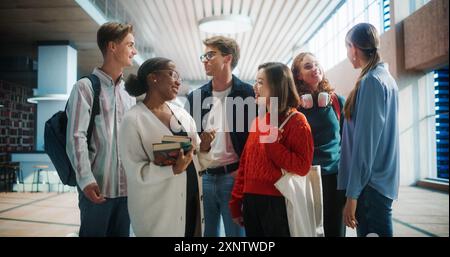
[17, 120]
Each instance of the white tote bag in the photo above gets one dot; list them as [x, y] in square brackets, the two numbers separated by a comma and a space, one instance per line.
[304, 203]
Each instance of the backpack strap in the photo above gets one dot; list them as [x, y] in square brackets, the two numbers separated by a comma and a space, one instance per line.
[96, 104]
[336, 106]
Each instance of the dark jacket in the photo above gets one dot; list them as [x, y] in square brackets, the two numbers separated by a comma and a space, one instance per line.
[238, 89]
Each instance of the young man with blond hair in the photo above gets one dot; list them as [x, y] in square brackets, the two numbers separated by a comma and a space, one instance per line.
[101, 180]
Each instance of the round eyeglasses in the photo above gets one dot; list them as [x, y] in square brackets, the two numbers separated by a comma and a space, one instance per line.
[207, 56]
[173, 74]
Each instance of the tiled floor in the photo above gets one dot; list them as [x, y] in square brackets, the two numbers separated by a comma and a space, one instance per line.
[38, 214]
[418, 213]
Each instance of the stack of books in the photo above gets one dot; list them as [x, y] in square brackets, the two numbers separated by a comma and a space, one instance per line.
[166, 152]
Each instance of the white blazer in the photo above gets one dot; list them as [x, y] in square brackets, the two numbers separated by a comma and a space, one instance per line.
[156, 197]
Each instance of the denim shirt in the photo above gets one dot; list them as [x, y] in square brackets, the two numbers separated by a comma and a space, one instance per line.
[370, 140]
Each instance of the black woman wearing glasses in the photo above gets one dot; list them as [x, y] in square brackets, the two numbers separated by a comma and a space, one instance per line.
[162, 200]
[213, 99]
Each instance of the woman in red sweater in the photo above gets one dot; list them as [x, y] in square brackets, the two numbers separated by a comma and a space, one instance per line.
[255, 202]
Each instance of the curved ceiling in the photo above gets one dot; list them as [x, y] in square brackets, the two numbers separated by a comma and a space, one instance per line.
[169, 27]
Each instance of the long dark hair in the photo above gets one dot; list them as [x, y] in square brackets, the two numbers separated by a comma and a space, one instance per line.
[137, 85]
[281, 83]
[363, 36]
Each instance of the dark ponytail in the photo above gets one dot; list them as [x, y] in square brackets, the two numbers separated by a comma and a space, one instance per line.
[134, 87]
[137, 85]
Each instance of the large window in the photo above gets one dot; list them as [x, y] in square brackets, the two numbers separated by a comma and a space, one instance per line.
[441, 107]
[414, 5]
[328, 43]
[386, 15]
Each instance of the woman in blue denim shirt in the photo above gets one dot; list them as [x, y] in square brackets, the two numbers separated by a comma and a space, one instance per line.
[369, 165]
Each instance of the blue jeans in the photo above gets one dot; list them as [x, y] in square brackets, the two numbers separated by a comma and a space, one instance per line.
[374, 214]
[216, 195]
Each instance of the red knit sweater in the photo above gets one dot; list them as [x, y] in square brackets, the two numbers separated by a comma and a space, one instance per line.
[260, 162]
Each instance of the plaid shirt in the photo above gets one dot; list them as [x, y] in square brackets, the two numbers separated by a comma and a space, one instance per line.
[102, 165]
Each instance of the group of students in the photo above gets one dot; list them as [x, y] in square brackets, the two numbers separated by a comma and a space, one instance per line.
[229, 174]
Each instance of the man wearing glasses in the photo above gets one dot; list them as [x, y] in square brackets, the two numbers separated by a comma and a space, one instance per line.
[221, 56]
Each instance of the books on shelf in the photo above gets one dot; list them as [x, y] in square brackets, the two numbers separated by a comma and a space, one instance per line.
[166, 152]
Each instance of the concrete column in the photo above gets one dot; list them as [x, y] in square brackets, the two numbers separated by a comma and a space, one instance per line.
[57, 71]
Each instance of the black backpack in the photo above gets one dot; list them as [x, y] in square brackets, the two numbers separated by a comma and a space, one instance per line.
[55, 137]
